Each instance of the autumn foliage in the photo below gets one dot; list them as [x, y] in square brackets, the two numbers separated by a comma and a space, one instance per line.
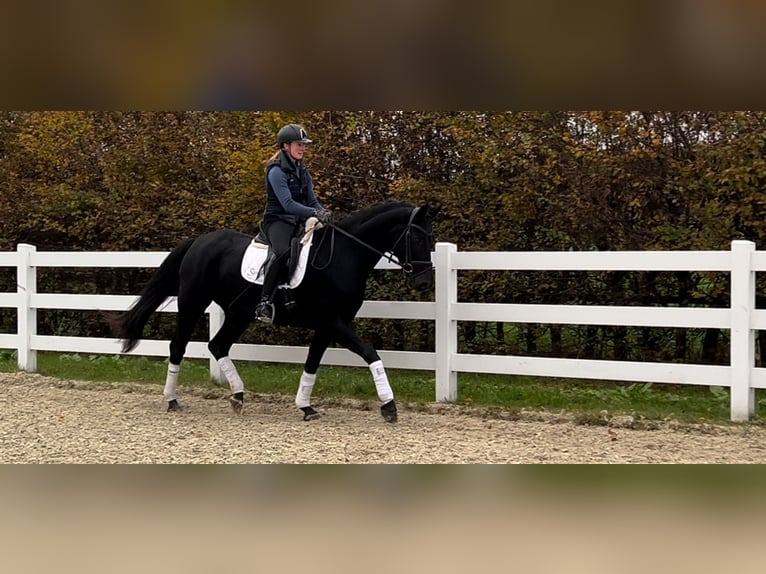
[504, 180]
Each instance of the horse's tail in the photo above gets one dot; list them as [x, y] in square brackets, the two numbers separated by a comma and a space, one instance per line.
[129, 325]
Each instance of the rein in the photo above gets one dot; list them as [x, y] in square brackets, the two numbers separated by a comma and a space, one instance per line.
[406, 267]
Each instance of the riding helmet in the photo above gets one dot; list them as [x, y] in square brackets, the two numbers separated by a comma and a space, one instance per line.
[292, 133]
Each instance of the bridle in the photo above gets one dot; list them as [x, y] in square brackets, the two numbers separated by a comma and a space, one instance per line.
[407, 266]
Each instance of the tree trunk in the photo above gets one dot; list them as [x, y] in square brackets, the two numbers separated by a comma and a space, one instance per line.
[469, 334]
[710, 345]
[591, 336]
[685, 288]
[621, 343]
[556, 347]
[761, 348]
[682, 344]
[530, 335]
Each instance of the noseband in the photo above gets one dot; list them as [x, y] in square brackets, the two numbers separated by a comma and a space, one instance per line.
[406, 235]
[407, 266]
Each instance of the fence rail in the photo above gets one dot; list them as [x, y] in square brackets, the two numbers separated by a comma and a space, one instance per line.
[740, 318]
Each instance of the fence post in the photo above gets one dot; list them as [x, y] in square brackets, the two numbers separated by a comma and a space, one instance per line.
[26, 316]
[742, 345]
[215, 319]
[445, 326]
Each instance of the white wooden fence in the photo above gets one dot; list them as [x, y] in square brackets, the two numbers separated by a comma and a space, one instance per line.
[740, 318]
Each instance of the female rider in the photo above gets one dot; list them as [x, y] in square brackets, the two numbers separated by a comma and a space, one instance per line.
[290, 202]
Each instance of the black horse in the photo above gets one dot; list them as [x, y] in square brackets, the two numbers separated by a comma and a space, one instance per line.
[341, 259]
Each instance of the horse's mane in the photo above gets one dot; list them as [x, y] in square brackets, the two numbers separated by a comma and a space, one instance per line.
[359, 218]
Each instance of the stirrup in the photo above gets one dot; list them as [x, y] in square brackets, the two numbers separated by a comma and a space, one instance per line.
[264, 312]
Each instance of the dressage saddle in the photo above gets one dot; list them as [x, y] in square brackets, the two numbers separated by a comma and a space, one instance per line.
[292, 260]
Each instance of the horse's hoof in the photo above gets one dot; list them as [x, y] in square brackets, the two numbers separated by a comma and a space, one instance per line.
[173, 406]
[309, 414]
[389, 412]
[237, 402]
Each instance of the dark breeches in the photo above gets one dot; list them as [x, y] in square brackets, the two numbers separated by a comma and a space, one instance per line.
[280, 233]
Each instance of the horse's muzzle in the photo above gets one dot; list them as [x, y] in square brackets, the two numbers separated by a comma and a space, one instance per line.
[423, 279]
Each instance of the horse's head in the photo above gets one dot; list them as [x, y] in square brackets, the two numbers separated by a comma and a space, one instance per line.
[413, 249]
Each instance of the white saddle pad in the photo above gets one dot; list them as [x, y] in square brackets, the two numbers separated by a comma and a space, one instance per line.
[255, 256]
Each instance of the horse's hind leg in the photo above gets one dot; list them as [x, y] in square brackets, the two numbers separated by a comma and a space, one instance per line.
[233, 326]
[317, 348]
[189, 312]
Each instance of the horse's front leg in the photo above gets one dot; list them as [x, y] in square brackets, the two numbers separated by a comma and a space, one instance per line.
[317, 348]
[346, 336]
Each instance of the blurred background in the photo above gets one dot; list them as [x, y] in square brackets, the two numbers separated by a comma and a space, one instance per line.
[542, 54]
[377, 519]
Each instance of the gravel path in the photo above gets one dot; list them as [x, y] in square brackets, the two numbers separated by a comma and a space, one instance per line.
[44, 420]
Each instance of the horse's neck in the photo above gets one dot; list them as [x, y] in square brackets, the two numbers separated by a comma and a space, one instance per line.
[381, 231]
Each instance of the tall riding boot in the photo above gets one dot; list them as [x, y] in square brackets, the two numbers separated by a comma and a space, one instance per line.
[265, 310]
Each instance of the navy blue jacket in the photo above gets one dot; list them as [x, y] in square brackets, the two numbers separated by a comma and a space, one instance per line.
[290, 191]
